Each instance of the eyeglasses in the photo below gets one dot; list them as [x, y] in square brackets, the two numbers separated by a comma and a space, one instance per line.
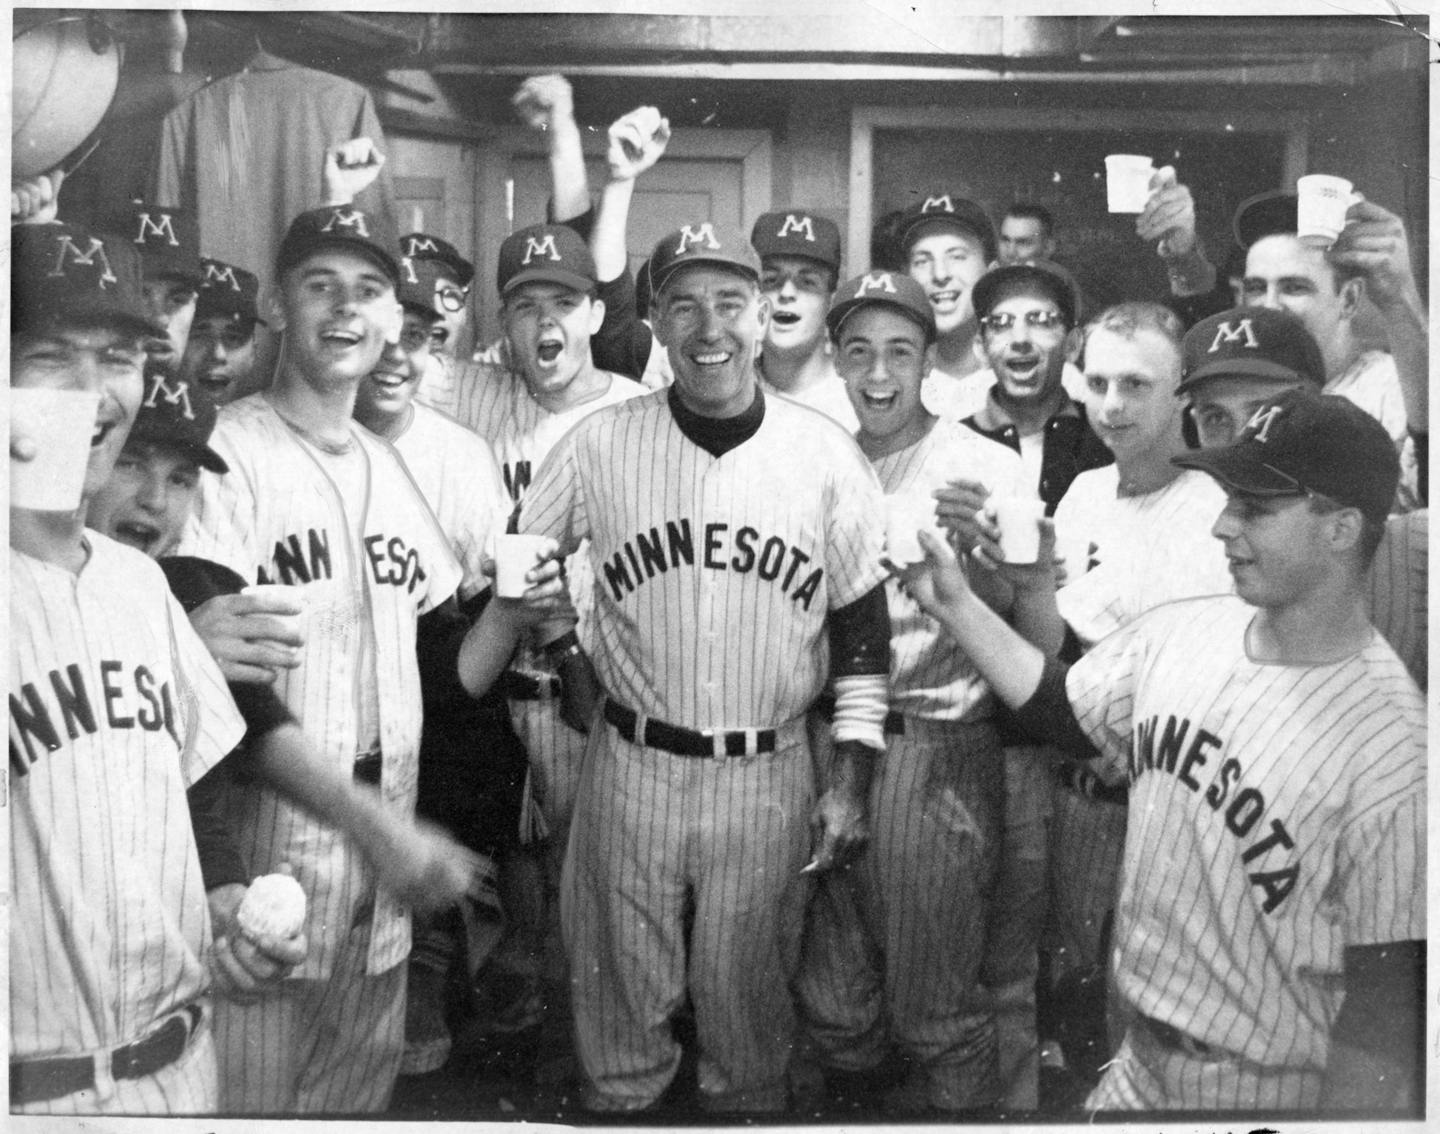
[1038, 320]
[451, 298]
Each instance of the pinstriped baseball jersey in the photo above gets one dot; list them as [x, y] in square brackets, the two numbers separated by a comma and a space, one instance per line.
[929, 675]
[458, 474]
[1399, 600]
[713, 575]
[115, 709]
[1142, 551]
[1277, 816]
[827, 395]
[278, 516]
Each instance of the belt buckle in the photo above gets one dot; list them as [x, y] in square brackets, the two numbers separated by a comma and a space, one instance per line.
[716, 736]
[642, 723]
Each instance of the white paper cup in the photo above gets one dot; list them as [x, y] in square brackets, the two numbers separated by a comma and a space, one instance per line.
[907, 514]
[60, 424]
[1018, 518]
[515, 557]
[1322, 203]
[1127, 182]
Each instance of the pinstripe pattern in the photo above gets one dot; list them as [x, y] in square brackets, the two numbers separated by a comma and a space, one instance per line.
[1399, 591]
[681, 643]
[115, 709]
[827, 394]
[277, 494]
[349, 1032]
[460, 479]
[1230, 927]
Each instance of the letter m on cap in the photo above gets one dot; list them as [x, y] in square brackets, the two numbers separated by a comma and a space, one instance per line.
[801, 224]
[177, 395]
[1258, 427]
[876, 281]
[938, 205]
[163, 229]
[352, 219]
[67, 253]
[542, 247]
[704, 236]
[216, 276]
[1234, 333]
[418, 244]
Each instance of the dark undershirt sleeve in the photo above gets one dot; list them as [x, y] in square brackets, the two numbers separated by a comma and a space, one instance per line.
[1048, 717]
[623, 343]
[221, 862]
[860, 636]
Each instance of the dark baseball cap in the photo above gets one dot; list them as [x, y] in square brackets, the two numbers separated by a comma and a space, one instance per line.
[1047, 275]
[798, 233]
[418, 281]
[1251, 342]
[227, 290]
[343, 227]
[703, 243]
[884, 289]
[1266, 214]
[545, 253]
[177, 415]
[959, 212]
[423, 246]
[167, 238]
[63, 274]
[1303, 441]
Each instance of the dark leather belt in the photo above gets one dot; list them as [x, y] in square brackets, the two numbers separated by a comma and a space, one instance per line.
[894, 721]
[367, 768]
[1167, 1035]
[38, 1080]
[528, 687]
[687, 741]
[1082, 781]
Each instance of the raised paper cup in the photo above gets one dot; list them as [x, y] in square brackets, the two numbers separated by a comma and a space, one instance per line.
[1127, 182]
[1018, 518]
[516, 556]
[60, 424]
[1322, 203]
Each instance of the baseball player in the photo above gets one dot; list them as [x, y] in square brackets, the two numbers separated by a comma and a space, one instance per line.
[1225, 387]
[1271, 928]
[800, 260]
[168, 240]
[437, 264]
[1027, 232]
[220, 349]
[115, 710]
[717, 517]
[893, 947]
[315, 501]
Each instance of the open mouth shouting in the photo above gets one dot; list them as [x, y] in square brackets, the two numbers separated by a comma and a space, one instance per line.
[138, 534]
[548, 351]
[881, 399]
[340, 338]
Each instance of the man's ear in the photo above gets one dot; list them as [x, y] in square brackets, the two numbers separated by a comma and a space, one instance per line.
[394, 325]
[1352, 291]
[1346, 527]
[927, 361]
[597, 314]
[274, 309]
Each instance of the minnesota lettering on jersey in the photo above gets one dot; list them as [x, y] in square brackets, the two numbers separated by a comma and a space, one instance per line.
[517, 478]
[129, 695]
[647, 554]
[295, 560]
[1164, 748]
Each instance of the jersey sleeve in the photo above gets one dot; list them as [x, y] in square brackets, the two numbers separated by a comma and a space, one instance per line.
[854, 526]
[222, 526]
[442, 570]
[1101, 687]
[554, 504]
[486, 512]
[211, 724]
[1382, 875]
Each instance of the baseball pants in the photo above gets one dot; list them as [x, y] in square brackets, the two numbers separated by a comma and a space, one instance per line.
[556, 754]
[316, 1046]
[893, 946]
[1087, 848]
[1016, 921]
[1150, 1074]
[190, 1085]
[650, 828]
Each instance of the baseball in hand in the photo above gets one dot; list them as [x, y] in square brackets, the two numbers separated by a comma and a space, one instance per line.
[273, 906]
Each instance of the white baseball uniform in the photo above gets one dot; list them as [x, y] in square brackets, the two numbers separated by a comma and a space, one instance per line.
[1372, 383]
[828, 395]
[116, 709]
[1277, 816]
[713, 580]
[497, 405]
[893, 947]
[1399, 600]
[354, 532]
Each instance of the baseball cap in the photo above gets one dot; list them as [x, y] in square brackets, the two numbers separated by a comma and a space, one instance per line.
[167, 238]
[547, 253]
[227, 290]
[1300, 441]
[1265, 214]
[960, 212]
[423, 246]
[176, 415]
[344, 227]
[1056, 282]
[798, 234]
[1251, 342]
[888, 289]
[418, 280]
[703, 243]
[62, 273]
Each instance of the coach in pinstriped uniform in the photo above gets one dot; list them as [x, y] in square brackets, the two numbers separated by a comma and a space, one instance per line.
[730, 532]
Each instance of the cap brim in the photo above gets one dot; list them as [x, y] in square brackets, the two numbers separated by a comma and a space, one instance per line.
[1245, 368]
[386, 263]
[914, 230]
[836, 316]
[88, 314]
[549, 275]
[1240, 470]
[202, 455]
[657, 280]
[205, 310]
